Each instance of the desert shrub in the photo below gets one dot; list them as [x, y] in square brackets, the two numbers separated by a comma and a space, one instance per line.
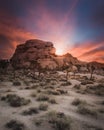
[102, 102]
[77, 86]
[38, 122]
[26, 83]
[52, 101]
[53, 92]
[39, 91]
[62, 91]
[98, 128]
[77, 102]
[31, 111]
[15, 125]
[82, 109]
[48, 80]
[99, 93]
[66, 83]
[33, 94]
[101, 110]
[86, 82]
[96, 89]
[85, 77]
[15, 101]
[43, 106]
[42, 84]
[9, 90]
[53, 83]
[59, 120]
[16, 83]
[49, 87]
[35, 86]
[42, 97]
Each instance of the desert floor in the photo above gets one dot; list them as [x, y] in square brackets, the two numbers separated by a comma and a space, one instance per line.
[79, 99]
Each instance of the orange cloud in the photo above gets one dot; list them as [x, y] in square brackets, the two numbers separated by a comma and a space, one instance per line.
[11, 35]
[89, 51]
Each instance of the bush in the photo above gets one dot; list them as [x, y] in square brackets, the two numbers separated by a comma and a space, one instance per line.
[42, 97]
[33, 94]
[86, 111]
[101, 110]
[59, 120]
[31, 111]
[77, 86]
[43, 106]
[102, 102]
[26, 83]
[53, 92]
[52, 101]
[15, 125]
[39, 91]
[38, 122]
[16, 83]
[66, 84]
[96, 89]
[86, 82]
[77, 102]
[62, 91]
[15, 101]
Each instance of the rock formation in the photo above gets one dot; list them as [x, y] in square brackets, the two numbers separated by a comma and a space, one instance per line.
[37, 53]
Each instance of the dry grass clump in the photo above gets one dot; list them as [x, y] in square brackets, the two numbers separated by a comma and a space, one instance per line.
[101, 110]
[62, 91]
[85, 82]
[43, 106]
[93, 127]
[77, 86]
[42, 97]
[39, 90]
[26, 83]
[17, 83]
[59, 120]
[66, 83]
[96, 89]
[33, 94]
[31, 111]
[15, 100]
[15, 125]
[84, 110]
[54, 83]
[38, 122]
[77, 102]
[52, 101]
[53, 92]
[102, 102]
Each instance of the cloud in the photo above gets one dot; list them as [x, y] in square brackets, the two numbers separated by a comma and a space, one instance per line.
[89, 51]
[11, 34]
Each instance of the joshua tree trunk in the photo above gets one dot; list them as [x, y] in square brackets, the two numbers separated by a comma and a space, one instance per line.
[91, 75]
[67, 75]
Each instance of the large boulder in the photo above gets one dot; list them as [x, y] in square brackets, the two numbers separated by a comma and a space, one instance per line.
[37, 53]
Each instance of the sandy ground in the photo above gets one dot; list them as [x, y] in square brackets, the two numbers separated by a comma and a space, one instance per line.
[64, 104]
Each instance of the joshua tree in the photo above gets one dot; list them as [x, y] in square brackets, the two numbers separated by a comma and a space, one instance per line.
[74, 69]
[67, 67]
[91, 68]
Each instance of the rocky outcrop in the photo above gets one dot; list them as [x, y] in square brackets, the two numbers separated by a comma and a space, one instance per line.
[37, 53]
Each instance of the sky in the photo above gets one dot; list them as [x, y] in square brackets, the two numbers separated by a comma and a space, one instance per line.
[74, 26]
